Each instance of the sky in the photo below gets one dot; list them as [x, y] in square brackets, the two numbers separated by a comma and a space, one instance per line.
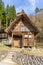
[27, 5]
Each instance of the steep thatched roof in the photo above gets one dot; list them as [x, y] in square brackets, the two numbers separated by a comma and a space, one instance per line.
[22, 15]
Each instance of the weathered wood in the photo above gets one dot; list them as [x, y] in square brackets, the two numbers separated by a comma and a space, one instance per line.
[23, 31]
[17, 20]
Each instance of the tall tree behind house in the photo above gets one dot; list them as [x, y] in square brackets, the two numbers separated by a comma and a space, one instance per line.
[10, 14]
[6, 14]
[2, 11]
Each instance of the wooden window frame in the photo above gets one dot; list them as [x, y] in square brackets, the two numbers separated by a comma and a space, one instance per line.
[22, 28]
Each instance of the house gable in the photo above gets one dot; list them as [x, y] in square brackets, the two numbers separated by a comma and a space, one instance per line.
[21, 27]
[25, 20]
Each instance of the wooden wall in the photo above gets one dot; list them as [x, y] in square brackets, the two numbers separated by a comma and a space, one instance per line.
[16, 31]
[28, 41]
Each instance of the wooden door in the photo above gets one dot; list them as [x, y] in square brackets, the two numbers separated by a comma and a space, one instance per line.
[16, 43]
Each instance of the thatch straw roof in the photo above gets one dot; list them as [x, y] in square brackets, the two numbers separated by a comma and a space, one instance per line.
[22, 15]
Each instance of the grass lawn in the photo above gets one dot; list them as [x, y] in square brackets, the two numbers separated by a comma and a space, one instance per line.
[37, 51]
[4, 47]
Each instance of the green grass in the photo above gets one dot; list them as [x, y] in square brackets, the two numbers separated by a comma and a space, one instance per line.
[3, 47]
[37, 52]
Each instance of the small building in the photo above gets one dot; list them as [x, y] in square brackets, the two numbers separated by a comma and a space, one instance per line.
[22, 30]
[3, 34]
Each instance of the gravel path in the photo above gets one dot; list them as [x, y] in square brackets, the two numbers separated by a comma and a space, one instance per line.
[3, 63]
[14, 57]
[8, 59]
[26, 59]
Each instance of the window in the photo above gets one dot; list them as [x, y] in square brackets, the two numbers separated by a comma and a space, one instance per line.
[22, 28]
[26, 36]
[3, 35]
[30, 36]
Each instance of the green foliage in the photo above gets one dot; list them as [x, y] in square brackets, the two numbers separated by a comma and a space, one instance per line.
[6, 14]
[12, 12]
[1, 9]
[4, 42]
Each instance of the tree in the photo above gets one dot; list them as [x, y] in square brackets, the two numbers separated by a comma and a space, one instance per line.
[12, 12]
[2, 12]
[1, 9]
[6, 14]
[36, 10]
[0, 0]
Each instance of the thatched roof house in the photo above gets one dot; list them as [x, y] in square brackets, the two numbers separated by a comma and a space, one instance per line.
[22, 30]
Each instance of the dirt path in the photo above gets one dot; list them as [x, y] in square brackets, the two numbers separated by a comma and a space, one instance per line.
[8, 59]
[3, 63]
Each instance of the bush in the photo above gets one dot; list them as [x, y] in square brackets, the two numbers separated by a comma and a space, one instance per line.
[4, 41]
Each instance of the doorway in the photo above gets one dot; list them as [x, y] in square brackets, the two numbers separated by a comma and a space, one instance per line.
[17, 41]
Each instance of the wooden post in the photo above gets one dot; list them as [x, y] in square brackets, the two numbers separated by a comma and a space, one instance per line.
[12, 35]
[13, 41]
[22, 40]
